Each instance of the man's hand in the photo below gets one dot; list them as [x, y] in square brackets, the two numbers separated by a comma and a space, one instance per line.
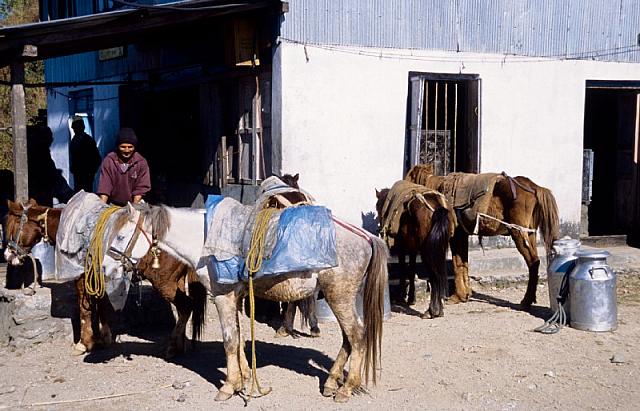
[104, 198]
[137, 199]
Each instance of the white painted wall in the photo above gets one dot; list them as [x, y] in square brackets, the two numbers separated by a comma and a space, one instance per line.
[343, 118]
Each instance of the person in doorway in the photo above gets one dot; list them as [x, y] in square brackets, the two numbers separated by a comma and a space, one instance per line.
[84, 156]
[40, 166]
[124, 173]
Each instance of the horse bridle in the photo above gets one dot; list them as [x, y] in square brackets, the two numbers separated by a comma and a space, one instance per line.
[14, 244]
[125, 256]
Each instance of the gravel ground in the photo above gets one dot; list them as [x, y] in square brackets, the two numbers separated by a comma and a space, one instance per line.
[481, 355]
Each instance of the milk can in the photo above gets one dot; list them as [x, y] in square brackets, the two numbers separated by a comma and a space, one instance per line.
[592, 292]
[562, 263]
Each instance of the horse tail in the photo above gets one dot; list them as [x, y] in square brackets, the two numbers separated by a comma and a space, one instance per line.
[436, 250]
[373, 306]
[545, 215]
[198, 294]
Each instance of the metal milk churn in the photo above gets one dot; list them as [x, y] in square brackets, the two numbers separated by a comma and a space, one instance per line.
[563, 261]
[592, 292]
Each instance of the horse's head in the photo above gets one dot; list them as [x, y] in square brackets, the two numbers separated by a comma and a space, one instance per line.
[285, 190]
[290, 180]
[136, 231]
[381, 197]
[25, 225]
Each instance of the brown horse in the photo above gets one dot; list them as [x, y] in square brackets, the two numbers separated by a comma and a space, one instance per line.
[515, 206]
[169, 280]
[424, 224]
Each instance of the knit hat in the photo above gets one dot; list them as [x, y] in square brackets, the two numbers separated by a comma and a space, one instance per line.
[126, 136]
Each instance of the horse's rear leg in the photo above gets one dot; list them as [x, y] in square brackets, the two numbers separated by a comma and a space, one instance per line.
[86, 342]
[237, 366]
[460, 259]
[402, 279]
[313, 319]
[352, 345]
[526, 245]
[411, 277]
[184, 307]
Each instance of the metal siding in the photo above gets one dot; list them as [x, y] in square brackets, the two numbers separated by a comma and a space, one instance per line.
[557, 28]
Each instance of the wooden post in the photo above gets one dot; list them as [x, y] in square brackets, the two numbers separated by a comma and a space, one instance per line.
[19, 131]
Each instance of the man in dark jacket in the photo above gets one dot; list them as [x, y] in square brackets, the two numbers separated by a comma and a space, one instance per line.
[85, 158]
[124, 174]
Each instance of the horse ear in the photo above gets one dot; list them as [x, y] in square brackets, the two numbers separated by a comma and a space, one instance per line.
[131, 209]
[377, 193]
[13, 206]
[295, 178]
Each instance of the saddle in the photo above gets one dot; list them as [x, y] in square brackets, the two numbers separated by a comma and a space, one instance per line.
[469, 194]
[296, 239]
[400, 194]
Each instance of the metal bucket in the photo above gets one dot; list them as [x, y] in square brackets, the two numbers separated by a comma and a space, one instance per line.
[562, 263]
[325, 315]
[592, 292]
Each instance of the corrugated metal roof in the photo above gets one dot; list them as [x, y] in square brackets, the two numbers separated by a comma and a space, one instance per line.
[590, 29]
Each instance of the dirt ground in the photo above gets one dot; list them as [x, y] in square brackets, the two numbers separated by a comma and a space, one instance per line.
[481, 355]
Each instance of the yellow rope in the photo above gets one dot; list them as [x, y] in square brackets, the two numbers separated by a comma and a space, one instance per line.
[94, 283]
[254, 263]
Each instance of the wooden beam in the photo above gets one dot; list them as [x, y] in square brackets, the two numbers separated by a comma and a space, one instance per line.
[19, 131]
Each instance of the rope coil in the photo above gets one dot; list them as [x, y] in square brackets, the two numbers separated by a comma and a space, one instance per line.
[94, 283]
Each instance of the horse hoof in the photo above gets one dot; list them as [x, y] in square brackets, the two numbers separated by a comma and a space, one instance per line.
[329, 391]
[426, 315]
[222, 396]
[525, 305]
[341, 397]
[79, 349]
[282, 332]
[315, 332]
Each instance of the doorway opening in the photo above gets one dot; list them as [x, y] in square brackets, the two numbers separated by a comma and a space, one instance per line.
[611, 188]
[443, 122]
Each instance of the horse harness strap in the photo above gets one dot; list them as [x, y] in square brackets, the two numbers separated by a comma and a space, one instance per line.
[15, 244]
[512, 184]
[355, 230]
[43, 217]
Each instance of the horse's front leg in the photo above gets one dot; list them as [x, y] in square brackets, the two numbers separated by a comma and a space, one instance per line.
[460, 259]
[526, 245]
[86, 342]
[286, 329]
[227, 306]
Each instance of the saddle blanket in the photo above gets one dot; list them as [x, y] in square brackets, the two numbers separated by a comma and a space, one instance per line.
[298, 238]
[77, 223]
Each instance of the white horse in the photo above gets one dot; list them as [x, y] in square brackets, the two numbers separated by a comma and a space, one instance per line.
[362, 258]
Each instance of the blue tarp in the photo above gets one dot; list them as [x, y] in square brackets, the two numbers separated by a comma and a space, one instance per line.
[306, 240]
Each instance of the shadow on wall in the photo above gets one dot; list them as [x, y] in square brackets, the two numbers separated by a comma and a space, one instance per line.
[370, 222]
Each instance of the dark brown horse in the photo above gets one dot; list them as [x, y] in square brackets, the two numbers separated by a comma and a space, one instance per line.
[169, 280]
[423, 224]
[517, 207]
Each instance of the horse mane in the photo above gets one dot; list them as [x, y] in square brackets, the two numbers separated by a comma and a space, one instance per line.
[159, 217]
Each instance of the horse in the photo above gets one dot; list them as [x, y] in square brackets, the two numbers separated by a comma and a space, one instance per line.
[515, 206]
[362, 262]
[40, 222]
[425, 224]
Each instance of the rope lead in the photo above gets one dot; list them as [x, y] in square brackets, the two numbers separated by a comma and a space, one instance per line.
[254, 263]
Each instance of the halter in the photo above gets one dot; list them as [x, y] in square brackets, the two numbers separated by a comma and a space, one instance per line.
[14, 244]
[125, 256]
